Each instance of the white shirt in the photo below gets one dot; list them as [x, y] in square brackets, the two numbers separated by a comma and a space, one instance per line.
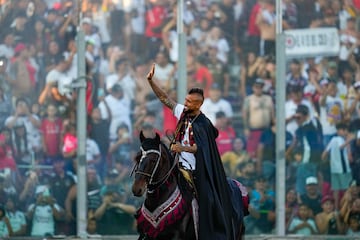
[210, 108]
[17, 220]
[127, 83]
[163, 74]
[4, 232]
[304, 231]
[92, 149]
[43, 219]
[186, 159]
[335, 158]
[290, 110]
[72, 72]
[120, 111]
[138, 22]
[32, 132]
[6, 51]
[330, 113]
[100, 19]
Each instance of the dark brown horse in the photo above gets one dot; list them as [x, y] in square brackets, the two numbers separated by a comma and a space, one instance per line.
[167, 212]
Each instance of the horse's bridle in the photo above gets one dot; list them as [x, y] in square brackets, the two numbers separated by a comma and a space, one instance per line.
[151, 175]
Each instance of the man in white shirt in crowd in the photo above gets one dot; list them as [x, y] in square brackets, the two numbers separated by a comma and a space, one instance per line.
[216, 103]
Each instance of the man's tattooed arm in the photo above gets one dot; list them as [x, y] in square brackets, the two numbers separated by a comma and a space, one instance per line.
[160, 93]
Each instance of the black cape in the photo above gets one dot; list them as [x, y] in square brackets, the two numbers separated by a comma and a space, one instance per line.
[215, 208]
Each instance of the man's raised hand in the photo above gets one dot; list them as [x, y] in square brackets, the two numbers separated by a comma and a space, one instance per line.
[151, 72]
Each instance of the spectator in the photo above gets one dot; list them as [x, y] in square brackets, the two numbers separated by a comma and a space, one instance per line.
[258, 113]
[123, 76]
[121, 147]
[7, 46]
[296, 98]
[216, 39]
[155, 16]
[51, 25]
[69, 144]
[295, 78]
[5, 226]
[92, 229]
[261, 208]
[6, 81]
[52, 55]
[201, 75]
[354, 225]
[328, 221]
[7, 160]
[93, 190]
[19, 29]
[137, 14]
[22, 73]
[200, 32]
[265, 21]
[16, 217]
[117, 108]
[253, 30]
[99, 132]
[312, 196]
[290, 14]
[266, 154]
[235, 157]
[61, 182]
[308, 141]
[350, 201]
[219, 71]
[115, 215]
[215, 103]
[337, 150]
[291, 206]
[303, 223]
[43, 213]
[164, 71]
[331, 111]
[51, 129]
[249, 74]
[226, 132]
[93, 156]
[352, 103]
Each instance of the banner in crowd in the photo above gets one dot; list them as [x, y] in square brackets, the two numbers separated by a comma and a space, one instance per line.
[312, 42]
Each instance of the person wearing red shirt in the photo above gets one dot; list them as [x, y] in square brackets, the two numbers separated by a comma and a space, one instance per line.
[202, 75]
[51, 128]
[253, 30]
[226, 133]
[154, 20]
[170, 120]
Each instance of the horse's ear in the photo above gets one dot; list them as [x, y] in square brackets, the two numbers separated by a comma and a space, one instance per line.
[157, 137]
[142, 137]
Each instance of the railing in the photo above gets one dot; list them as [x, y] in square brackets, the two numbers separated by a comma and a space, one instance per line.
[248, 237]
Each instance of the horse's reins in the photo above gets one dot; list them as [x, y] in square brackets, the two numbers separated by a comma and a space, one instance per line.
[158, 183]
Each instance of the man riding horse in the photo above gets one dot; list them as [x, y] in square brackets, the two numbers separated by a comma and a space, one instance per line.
[198, 155]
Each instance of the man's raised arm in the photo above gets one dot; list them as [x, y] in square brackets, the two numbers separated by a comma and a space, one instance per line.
[160, 93]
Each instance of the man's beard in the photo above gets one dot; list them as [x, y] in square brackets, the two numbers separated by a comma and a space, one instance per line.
[188, 111]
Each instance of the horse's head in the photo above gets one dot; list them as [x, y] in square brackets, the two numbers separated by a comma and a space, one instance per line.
[151, 165]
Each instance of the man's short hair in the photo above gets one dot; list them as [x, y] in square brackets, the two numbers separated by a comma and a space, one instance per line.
[302, 109]
[197, 91]
[342, 126]
[116, 88]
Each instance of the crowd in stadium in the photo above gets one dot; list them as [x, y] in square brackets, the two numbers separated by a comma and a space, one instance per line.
[230, 53]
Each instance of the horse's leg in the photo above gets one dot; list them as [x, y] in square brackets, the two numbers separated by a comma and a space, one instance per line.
[187, 229]
[241, 232]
